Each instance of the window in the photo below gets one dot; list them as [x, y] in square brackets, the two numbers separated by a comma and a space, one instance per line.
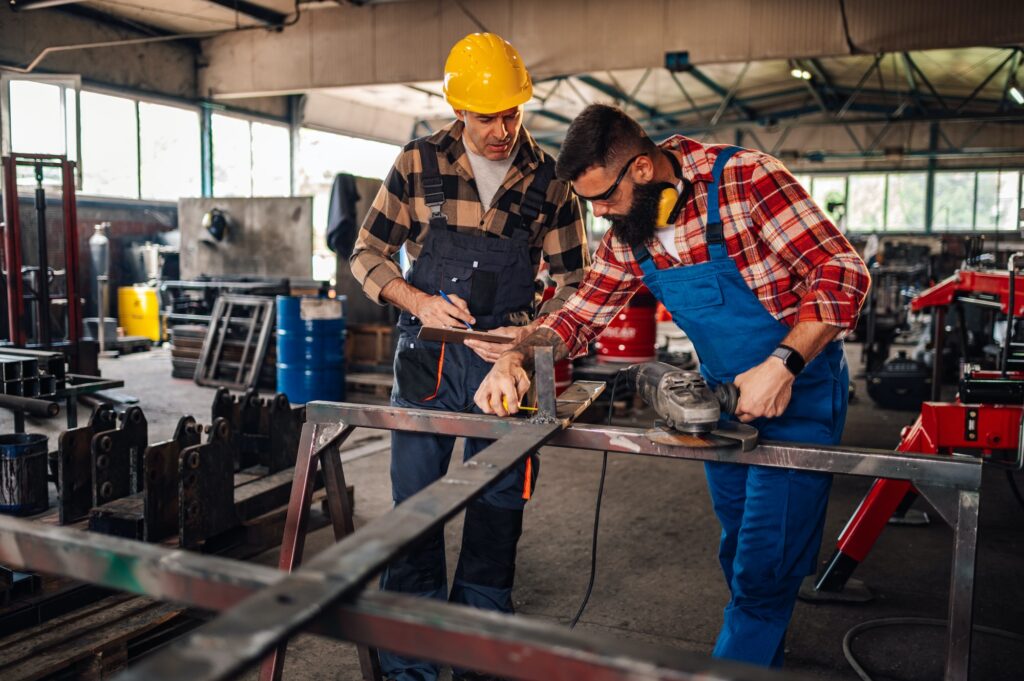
[271, 160]
[39, 116]
[321, 156]
[170, 164]
[250, 158]
[866, 203]
[995, 205]
[986, 201]
[905, 207]
[829, 192]
[953, 209]
[232, 156]
[110, 146]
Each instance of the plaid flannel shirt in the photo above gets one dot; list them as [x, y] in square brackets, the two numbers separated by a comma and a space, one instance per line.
[399, 215]
[789, 253]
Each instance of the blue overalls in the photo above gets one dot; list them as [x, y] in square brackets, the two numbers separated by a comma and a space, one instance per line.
[495, 276]
[772, 518]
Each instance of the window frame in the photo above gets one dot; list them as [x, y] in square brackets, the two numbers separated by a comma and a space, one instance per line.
[64, 81]
[930, 174]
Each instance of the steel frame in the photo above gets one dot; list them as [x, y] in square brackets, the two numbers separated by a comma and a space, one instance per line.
[262, 607]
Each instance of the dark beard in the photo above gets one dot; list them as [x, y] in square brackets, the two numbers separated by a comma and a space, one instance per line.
[639, 223]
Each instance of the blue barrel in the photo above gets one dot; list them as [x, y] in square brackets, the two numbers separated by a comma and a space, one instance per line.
[23, 485]
[311, 348]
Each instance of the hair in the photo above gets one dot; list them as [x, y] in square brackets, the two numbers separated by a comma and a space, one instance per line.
[599, 136]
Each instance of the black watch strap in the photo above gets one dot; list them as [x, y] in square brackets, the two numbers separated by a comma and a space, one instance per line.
[793, 360]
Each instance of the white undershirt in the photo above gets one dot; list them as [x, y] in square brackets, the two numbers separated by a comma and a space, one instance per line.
[489, 175]
[667, 235]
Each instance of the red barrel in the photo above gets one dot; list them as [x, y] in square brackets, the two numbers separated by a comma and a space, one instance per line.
[632, 335]
[563, 369]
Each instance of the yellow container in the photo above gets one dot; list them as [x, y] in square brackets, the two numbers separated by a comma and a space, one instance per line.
[138, 312]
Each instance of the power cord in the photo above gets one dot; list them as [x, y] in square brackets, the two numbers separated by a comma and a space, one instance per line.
[902, 621]
[597, 507]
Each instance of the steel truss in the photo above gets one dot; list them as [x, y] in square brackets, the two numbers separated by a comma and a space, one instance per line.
[261, 607]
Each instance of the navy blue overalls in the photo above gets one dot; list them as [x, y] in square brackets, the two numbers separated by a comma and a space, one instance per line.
[772, 518]
[495, 276]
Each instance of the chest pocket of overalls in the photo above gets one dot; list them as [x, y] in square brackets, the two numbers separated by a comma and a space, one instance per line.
[476, 285]
[699, 292]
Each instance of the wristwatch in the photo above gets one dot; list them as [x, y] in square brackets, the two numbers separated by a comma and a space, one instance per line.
[793, 360]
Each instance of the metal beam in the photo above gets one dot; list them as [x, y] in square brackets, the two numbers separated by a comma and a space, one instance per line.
[1011, 73]
[859, 87]
[731, 94]
[709, 83]
[252, 10]
[420, 628]
[985, 82]
[618, 94]
[314, 593]
[925, 80]
[908, 71]
[243, 634]
[927, 469]
[41, 4]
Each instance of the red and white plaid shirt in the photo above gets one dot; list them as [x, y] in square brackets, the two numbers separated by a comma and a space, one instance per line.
[797, 263]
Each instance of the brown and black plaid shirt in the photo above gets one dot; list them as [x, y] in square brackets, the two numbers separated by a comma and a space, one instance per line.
[400, 215]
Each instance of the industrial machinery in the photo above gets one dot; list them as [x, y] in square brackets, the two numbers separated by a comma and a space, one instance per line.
[984, 420]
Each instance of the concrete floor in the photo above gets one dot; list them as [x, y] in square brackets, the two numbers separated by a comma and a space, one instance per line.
[658, 577]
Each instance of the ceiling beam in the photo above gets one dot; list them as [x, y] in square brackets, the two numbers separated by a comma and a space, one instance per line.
[41, 4]
[342, 45]
[748, 112]
[252, 10]
[618, 94]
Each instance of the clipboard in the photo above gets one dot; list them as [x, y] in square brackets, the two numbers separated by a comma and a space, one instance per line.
[434, 333]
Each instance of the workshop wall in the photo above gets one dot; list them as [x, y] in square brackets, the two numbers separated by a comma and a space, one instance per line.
[270, 237]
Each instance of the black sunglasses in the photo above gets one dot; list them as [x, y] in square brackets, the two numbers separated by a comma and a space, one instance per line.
[605, 195]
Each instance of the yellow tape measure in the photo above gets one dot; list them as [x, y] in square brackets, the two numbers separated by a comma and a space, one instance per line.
[504, 403]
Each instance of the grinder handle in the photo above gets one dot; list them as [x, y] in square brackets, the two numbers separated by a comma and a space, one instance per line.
[728, 397]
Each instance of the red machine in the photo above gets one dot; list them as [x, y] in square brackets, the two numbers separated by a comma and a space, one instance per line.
[984, 420]
[41, 268]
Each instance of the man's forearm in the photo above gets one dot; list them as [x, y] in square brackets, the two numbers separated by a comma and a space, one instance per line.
[541, 338]
[810, 338]
[402, 295]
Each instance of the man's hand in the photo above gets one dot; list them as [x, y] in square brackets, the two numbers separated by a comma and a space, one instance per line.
[490, 352]
[437, 312]
[765, 390]
[505, 382]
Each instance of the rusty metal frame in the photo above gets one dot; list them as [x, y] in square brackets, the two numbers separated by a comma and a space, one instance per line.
[263, 608]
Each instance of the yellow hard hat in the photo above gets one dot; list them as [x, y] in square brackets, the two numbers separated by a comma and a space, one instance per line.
[485, 74]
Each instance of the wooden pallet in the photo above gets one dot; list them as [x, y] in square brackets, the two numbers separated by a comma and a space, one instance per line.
[369, 344]
[378, 385]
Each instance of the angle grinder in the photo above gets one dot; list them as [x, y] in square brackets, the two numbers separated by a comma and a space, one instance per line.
[691, 411]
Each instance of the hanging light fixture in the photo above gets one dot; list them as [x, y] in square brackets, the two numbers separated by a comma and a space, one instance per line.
[1017, 95]
[798, 71]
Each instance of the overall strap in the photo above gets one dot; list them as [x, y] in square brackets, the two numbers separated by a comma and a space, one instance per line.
[433, 186]
[644, 259]
[536, 193]
[532, 203]
[713, 230]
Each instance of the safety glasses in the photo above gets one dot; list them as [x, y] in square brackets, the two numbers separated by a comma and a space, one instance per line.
[605, 195]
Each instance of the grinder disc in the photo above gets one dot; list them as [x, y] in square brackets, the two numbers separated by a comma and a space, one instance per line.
[726, 434]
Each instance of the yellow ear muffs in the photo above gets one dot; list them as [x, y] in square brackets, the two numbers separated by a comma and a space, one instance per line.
[671, 204]
[666, 207]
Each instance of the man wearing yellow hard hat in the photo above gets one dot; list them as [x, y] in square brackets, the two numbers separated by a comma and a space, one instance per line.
[477, 207]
